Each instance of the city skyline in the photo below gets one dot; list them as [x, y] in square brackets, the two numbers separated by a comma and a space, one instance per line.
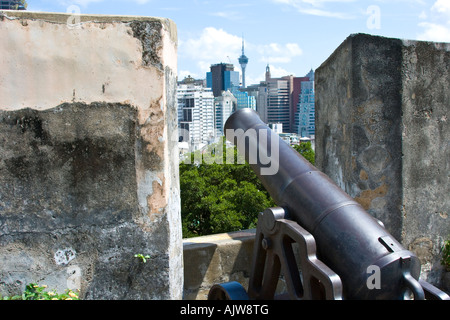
[286, 104]
[293, 36]
[12, 5]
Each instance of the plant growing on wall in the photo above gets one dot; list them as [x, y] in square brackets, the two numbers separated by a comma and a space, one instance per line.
[142, 257]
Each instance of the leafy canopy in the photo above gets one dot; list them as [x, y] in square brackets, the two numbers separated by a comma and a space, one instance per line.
[218, 198]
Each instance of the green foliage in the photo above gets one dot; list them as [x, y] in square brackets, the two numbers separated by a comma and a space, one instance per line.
[305, 149]
[142, 257]
[446, 255]
[218, 198]
[34, 291]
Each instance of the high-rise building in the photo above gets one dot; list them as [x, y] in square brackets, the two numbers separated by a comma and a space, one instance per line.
[279, 102]
[259, 91]
[224, 105]
[222, 77]
[288, 100]
[297, 90]
[244, 100]
[195, 115]
[278, 92]
[305, 114]
[12, 5]
[243, 61]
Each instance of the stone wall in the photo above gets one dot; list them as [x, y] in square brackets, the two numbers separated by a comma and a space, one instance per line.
[88, 163]
[382, 135]
[216, 259]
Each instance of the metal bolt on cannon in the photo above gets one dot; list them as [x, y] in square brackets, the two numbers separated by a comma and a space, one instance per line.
[334, 239]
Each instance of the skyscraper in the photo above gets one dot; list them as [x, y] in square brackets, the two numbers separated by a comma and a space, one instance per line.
[279, 101]
[222, 78]
[288, 100]
[243, 61]
[244, 100]
[224, 105]
[278, 92]
[305, 114]
[195, 115]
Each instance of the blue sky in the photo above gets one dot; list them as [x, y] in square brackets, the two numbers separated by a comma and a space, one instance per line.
[292, 36]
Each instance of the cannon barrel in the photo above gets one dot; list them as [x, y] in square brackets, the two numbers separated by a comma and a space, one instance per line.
[349, 240]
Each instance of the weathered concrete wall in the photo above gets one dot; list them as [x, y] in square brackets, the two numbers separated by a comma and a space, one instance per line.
[88, 165]
[426, 151]
[382, 134]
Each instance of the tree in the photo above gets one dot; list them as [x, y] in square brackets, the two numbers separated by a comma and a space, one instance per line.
[218, 198]
[305, 149]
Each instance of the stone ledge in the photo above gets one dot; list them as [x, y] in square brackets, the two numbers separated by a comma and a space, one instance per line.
[58, 17]
[214, 259]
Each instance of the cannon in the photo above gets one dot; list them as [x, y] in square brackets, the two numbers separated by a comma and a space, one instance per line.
[318, 239]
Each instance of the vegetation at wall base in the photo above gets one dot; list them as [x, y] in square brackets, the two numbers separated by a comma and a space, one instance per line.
[34, 291]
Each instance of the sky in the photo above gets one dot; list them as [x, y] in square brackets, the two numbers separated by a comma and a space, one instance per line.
[291, 36]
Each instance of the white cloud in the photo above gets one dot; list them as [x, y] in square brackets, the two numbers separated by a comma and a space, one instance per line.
[275, 72]
[277, 53]
[437, 28]
[317, 7]
[423, 15]
[441, 6]
[216, 46]
[85, 3]
[184, 73]
[213, 46]
[230, 15]
[434, 32]
[250, 79]
[278, 72]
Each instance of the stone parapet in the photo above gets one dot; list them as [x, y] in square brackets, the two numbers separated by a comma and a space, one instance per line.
[382, 135]
[216, 259]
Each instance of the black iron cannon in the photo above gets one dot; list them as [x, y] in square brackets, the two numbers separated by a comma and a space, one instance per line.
[322, 242]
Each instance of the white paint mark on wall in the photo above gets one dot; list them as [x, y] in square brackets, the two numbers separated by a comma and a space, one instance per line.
[64, 256]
